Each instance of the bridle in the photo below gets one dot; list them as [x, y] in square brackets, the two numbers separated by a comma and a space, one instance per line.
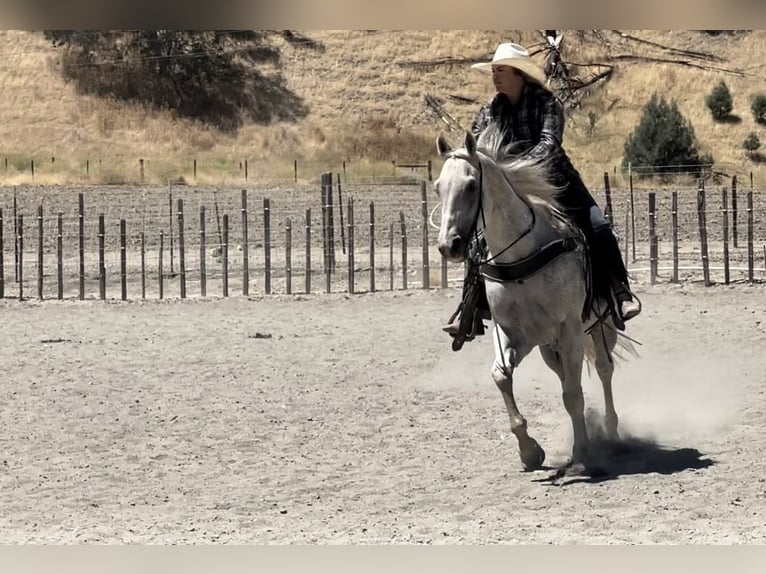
[475, 230]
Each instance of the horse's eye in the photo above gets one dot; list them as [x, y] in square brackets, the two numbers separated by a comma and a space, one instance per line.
[471, 187]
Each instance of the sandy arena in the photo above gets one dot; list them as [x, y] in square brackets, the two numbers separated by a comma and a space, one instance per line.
[348, 419]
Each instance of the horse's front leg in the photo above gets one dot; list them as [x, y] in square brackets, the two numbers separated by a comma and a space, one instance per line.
[506, 359]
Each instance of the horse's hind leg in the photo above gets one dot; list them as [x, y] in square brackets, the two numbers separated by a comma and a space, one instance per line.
[604, 340]
[531, 453]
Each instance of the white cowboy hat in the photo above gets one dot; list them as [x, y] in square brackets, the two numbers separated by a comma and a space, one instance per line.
[515, 56]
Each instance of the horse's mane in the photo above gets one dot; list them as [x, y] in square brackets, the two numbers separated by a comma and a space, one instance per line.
[528, 176]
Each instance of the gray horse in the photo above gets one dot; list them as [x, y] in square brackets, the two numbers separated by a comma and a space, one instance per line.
[537, 281]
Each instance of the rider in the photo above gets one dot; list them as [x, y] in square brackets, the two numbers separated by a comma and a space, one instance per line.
[532, 119]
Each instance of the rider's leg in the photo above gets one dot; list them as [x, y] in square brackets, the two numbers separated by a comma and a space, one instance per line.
[579, 204]
[605, 245]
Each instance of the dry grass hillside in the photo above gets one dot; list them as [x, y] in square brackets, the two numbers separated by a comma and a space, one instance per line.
[365, 93]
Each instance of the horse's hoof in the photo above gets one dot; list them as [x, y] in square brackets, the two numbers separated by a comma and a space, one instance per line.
[532, 457]
[575, 470]
[578, 470]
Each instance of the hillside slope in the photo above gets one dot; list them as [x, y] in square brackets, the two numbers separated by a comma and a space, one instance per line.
[365, 93]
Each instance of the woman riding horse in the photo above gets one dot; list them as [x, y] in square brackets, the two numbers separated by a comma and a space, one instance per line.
[531, 120]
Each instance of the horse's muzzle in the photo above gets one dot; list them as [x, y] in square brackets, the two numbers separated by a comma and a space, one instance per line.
[453, 247]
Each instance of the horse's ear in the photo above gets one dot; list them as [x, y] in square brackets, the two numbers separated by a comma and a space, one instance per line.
[442, 146]
[470, 143]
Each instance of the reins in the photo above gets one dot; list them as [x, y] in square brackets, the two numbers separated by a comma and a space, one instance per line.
[484, 221]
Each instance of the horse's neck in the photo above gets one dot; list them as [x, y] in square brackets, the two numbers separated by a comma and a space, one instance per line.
[508, 217]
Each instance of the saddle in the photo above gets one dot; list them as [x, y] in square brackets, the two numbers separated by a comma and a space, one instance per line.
[474, 307]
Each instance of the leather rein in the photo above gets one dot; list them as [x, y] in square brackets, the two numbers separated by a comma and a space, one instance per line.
[521, 268]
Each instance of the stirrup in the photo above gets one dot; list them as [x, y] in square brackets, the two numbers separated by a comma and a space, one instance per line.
[471, 325]
[619, 318]
[628, 316]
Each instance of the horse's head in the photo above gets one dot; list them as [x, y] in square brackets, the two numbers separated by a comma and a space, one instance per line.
[459, 188]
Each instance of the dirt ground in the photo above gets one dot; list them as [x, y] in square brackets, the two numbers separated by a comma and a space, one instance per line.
[348, 419]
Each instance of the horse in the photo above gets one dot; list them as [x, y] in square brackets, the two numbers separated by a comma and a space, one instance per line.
[537, 278]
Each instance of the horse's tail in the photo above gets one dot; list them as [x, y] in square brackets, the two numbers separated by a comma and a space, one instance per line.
[624, 347]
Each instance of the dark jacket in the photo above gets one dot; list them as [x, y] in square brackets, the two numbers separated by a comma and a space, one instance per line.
[533, 127]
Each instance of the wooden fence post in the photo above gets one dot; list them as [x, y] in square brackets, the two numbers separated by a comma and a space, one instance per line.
[323, 205]
[2, 258]
[426, 283]
[225, 254]
[750, 253]
[143, 266]
[81, 221]
[202, 254]
[181, 247]
[725, 202]
[372, 247]
[59, 254]
[267, 243]
[308, 250]
[674, 223]
[340, 212]
[632, 211]
[328, 225]
[404, 249]
[218, 224]
[20, 243]
[652, 239]
[40, 261]
[245, 250]
[123, 261]
[159, 264]
[15, 237]
[734, 210]
[101, 262]
[331, 222]
[326, 233]
[391, 257]
[701, 217]
[350, 244]
[170, 230]
[288, 256]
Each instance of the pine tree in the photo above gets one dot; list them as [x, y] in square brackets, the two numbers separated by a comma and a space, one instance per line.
[663, 141]
[751, 144]
[719, 101]
[217, 77]
[758, 107]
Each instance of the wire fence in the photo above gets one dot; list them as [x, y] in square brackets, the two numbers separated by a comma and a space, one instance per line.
[133, 242]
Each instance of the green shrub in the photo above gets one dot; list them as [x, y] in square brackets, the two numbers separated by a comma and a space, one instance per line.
[663, 142]
[751, 144]
[719, 101]
[758, 107]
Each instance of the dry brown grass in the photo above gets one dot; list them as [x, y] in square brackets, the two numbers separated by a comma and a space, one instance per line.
[366, 105]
